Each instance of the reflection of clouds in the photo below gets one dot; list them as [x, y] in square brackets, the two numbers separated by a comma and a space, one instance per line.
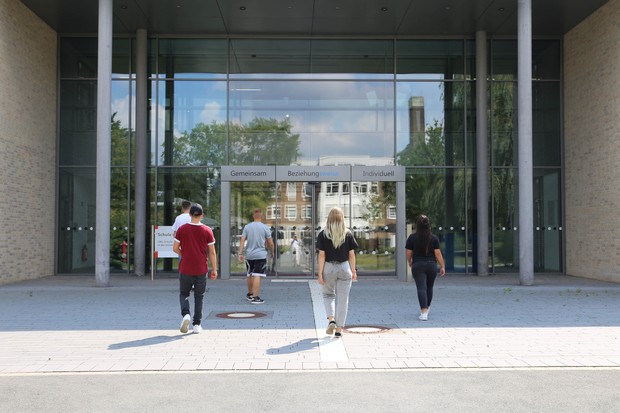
[212, 111]
[122, 109]
[348, 118]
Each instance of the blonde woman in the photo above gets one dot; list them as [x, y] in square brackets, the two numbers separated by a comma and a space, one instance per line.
[336, 246]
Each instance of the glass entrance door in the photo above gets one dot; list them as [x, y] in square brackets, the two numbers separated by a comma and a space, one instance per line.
[296, 212]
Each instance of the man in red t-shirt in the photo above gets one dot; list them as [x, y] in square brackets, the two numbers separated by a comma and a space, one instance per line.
[194, 241]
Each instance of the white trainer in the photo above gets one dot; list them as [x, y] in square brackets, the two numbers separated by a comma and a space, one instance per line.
[185, 323]
[423, 316]
[197, 329]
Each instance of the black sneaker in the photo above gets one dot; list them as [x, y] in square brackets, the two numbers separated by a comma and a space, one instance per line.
[257, 300]
[249, 297]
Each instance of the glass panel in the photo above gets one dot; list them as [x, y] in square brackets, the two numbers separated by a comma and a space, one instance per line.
[505, 220]
[78, 57]
[119, 219]
[546, 124]
[122, 112]
[76, 220]
[373, 222]
[503, 60]
[440, 194]
[267, 58]
[314, 123]
[192, 123]
[430, 59]
[547, 220]
[78, 122]
[470, 60]
[244, 197]
[470, 134]
[192, 58]
[430, 123]
[295, 233]
[197, 185]
[504, 122]
[546, 59]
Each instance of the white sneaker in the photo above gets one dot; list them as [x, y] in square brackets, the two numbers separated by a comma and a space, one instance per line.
[197, 328]
[423, 316]
[185, 323]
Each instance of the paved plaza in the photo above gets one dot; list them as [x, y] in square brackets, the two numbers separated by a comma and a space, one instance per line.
[67, 324]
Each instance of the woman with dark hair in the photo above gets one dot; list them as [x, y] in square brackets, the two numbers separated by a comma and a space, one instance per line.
[423, 255]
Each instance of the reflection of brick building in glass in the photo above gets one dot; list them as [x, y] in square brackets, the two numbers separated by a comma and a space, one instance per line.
[369, 207]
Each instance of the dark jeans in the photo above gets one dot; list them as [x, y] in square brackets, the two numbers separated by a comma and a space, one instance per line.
[199, 283]
[424, 274]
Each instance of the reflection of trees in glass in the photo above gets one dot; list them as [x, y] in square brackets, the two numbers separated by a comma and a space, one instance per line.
[259, 142]
[504, 124]
[263, 142]
[428, 191]
[119, 181]
[377, 204]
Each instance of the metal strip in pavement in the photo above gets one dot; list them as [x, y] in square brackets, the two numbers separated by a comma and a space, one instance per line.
[330, 349]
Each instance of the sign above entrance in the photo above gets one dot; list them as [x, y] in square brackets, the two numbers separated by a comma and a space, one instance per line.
[378, 173]
[248, 173]
[313, 173]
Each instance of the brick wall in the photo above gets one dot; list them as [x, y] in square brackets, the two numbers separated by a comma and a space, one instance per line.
[27, 144]
[592, 145]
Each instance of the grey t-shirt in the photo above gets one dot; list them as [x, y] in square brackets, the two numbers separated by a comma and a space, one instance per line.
[255, 234]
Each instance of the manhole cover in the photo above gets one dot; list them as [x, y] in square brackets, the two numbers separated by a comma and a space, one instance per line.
[364, 329]
[239, 315]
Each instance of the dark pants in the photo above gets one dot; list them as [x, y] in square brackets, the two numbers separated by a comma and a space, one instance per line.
[199, 283]
[424, 274]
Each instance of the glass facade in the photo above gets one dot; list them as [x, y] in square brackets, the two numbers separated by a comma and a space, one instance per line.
[215, 102]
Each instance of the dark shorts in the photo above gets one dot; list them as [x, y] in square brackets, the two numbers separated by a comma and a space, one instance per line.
[256, 268]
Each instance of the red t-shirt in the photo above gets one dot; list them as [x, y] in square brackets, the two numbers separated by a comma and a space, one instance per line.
[193, 240]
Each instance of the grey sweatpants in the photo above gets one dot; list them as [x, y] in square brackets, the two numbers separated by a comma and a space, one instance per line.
[338, 279]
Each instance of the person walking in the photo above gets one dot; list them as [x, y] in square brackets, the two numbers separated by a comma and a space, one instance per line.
[336, 271]
[423, 255]
[194, 242]
[258, 237]
[182, 218]
[296, 251]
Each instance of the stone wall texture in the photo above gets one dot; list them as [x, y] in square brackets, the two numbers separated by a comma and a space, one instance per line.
[592, 145]
[27, 144]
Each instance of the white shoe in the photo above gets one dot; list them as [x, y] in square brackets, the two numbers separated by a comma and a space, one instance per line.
[185, 323]
[197, 329]
[423, 316]
[331, 327]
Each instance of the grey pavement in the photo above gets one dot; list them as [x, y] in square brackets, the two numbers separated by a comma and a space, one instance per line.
[68, 325]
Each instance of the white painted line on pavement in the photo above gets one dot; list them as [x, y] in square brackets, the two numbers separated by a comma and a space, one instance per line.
[330, 349]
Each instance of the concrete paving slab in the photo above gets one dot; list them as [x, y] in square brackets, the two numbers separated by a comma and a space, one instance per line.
[68, 324]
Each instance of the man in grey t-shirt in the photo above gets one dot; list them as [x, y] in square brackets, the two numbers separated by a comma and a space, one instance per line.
[259, 241]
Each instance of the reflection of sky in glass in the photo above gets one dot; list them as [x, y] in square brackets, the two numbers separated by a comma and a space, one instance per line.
[332, 118]
[194, 102]
[120, 102]
[432, 92]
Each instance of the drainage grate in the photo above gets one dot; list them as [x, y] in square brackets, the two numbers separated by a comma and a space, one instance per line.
[366, 329]
[241, 315]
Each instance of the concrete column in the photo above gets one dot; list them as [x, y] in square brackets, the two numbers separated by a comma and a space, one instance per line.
[104, 142]
[526, 195]
[225, 233]
[139, 242]
[482, 154]
[401, 233]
